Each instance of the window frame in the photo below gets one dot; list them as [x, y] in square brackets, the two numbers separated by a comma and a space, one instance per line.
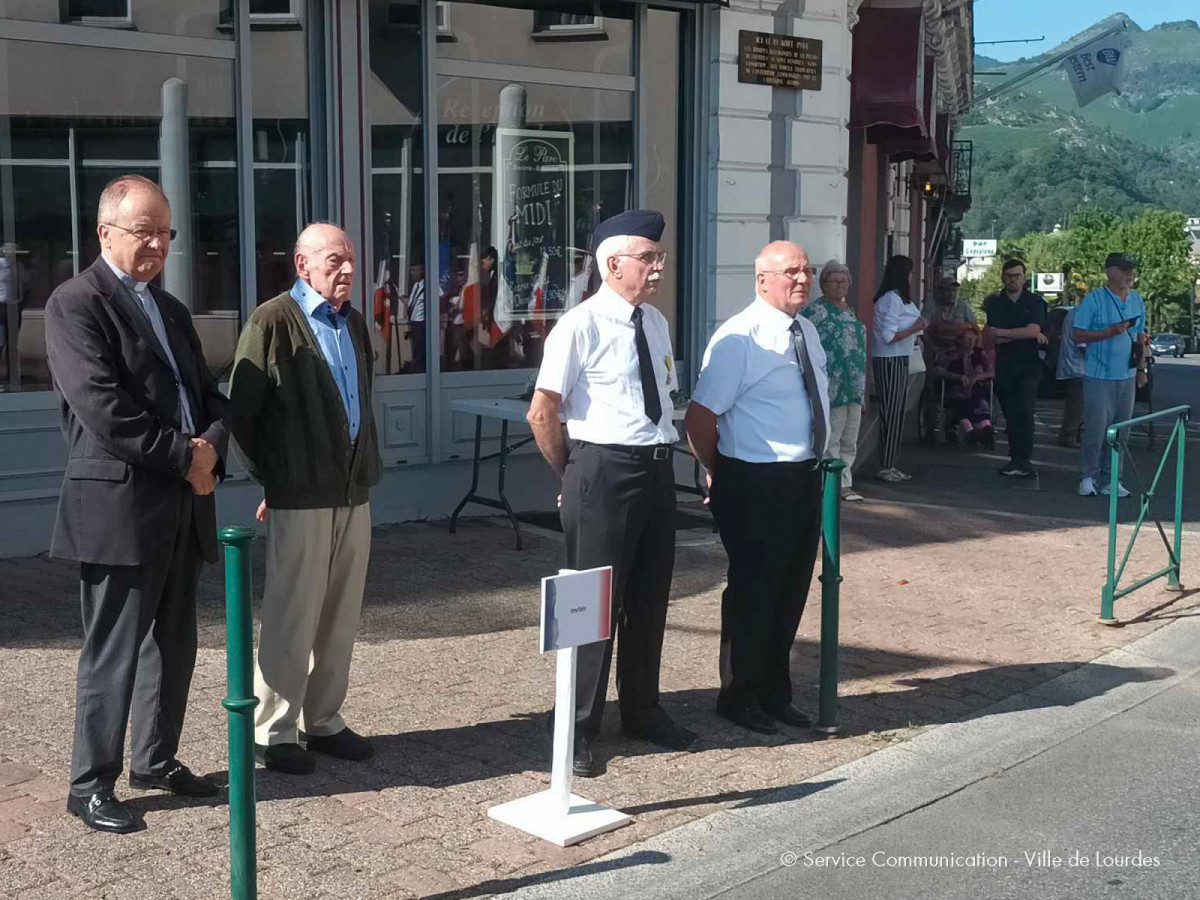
[114, 21]
[591, 31]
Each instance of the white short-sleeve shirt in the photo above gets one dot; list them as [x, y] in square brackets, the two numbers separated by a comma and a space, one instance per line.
[590, 360]
[751, 379]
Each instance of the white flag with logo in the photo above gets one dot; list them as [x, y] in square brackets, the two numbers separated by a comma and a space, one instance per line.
[1097, 67]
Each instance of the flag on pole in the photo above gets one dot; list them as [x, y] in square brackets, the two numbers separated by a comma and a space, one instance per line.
[471, 289]
[1098, 67]
[384, 300]
[537, 308]
[503, 317]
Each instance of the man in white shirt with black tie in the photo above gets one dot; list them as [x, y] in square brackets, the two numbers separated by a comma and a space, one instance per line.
[607, 367]
[758, 422]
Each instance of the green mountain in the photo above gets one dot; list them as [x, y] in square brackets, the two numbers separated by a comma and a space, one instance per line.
[1038, 157]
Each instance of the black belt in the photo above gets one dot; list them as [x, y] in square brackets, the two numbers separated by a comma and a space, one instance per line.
[655, 452]
[804, 465]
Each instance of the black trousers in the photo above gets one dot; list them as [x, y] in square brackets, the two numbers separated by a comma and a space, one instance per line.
[139, 651]
[769, 516]
[619, 510]
[1016, 389]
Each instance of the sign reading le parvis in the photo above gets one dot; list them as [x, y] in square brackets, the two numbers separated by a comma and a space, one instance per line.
[778, 60]
[576, 608]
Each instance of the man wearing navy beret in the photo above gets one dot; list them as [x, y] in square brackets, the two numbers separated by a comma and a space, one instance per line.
[607, 367]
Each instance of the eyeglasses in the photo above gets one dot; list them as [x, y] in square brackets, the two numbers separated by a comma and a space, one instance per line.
[649, 258]
[145, 235]
[793, 274]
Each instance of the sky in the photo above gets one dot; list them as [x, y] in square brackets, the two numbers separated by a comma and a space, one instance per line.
[1058, 20]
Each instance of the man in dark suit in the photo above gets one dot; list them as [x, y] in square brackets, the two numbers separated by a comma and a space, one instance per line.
[144, 422]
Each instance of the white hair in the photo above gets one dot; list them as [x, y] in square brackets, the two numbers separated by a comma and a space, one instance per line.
[610, 247]
[308, 240]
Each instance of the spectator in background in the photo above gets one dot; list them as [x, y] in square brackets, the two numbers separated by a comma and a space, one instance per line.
[896, 324]
[414, 309]
[1015, 319]
[1072, 366]
[1111, 320]
[968, 371]
[844, 340]
[946, 314]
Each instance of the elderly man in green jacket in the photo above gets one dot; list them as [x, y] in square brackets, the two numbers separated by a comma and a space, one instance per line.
[300, 398]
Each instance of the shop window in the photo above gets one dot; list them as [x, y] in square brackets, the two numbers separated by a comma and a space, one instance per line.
[549, 25]
[518, 201]
[99, 12]
[48, 210]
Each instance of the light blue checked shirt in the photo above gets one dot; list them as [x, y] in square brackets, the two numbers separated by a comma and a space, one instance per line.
[334, 338]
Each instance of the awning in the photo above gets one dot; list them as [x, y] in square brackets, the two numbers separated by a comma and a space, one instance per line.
[911, 145]
[887, 81]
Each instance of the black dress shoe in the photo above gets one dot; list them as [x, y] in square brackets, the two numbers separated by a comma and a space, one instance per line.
[290, 759]
[659, 729]
[584, 763]
[103, 812]
[179, 779]
[344, 745]
[751, 718]
[788, 715]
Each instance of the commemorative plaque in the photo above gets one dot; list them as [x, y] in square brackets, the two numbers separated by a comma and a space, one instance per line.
[778, 60]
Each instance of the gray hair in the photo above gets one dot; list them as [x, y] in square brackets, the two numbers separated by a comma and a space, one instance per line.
[118, 189]
[833, 267]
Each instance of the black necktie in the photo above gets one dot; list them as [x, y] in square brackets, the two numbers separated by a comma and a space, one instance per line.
[819, 428]
[650, 397]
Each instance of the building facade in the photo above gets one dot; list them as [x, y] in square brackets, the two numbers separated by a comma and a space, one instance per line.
[468, 149]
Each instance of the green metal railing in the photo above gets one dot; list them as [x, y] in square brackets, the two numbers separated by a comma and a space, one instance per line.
[831, 586]
[1178, 438]
[240, 702]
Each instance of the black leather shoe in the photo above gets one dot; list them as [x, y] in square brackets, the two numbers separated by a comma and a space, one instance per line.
[179, 779]
[749, 717]
[290, 759]
[789, 715]
[103, 812]
[344, 745]
[660, 730]
[584, 763]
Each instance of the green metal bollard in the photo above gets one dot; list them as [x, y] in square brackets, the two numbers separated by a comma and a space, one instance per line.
[831, 580]
[240, 701]
[1108, 595]
[1181, 435]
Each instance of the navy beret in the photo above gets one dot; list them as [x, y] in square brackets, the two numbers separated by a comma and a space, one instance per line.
[647, 223]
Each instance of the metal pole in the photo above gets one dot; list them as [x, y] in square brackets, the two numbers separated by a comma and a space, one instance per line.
[240, 702]
[1110, 587]
[1180, 436]
[831, 580]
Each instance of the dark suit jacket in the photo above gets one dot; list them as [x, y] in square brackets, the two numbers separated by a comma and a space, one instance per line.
[125, 482]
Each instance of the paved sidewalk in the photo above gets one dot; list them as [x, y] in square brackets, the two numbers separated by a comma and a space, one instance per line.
[944, 612]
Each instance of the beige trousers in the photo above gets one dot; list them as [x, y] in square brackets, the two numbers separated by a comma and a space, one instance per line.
[844, 422]
[316, 571]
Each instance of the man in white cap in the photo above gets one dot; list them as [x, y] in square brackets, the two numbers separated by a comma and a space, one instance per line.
[607, 367]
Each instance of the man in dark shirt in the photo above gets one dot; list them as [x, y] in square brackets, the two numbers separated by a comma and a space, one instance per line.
[1015, 318]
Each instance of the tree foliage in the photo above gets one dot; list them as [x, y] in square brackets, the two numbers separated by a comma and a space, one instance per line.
[1156, 239]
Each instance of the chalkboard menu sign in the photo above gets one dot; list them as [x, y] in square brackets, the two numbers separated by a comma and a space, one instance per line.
[533, 226]
[779, 60]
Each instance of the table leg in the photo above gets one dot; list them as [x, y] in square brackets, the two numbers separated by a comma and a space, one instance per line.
[512, 517]
[474, 474]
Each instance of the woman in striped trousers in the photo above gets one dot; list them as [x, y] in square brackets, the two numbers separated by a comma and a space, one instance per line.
[896, 324]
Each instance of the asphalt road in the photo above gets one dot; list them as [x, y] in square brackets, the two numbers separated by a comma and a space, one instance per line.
[1113, 812]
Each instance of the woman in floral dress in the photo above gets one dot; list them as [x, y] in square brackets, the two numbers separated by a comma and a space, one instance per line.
[845, 342]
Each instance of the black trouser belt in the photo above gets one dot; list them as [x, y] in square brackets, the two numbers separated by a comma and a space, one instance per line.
[656, 452]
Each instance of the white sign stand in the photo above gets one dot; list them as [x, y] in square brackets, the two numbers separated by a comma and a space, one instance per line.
[557, 815]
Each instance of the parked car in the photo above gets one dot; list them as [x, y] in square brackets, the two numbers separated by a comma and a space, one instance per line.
[1168, 344]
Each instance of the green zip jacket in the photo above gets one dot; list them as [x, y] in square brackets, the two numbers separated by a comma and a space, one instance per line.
[289, 423]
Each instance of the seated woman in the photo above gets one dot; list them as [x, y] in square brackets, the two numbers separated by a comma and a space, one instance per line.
[967, 369]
